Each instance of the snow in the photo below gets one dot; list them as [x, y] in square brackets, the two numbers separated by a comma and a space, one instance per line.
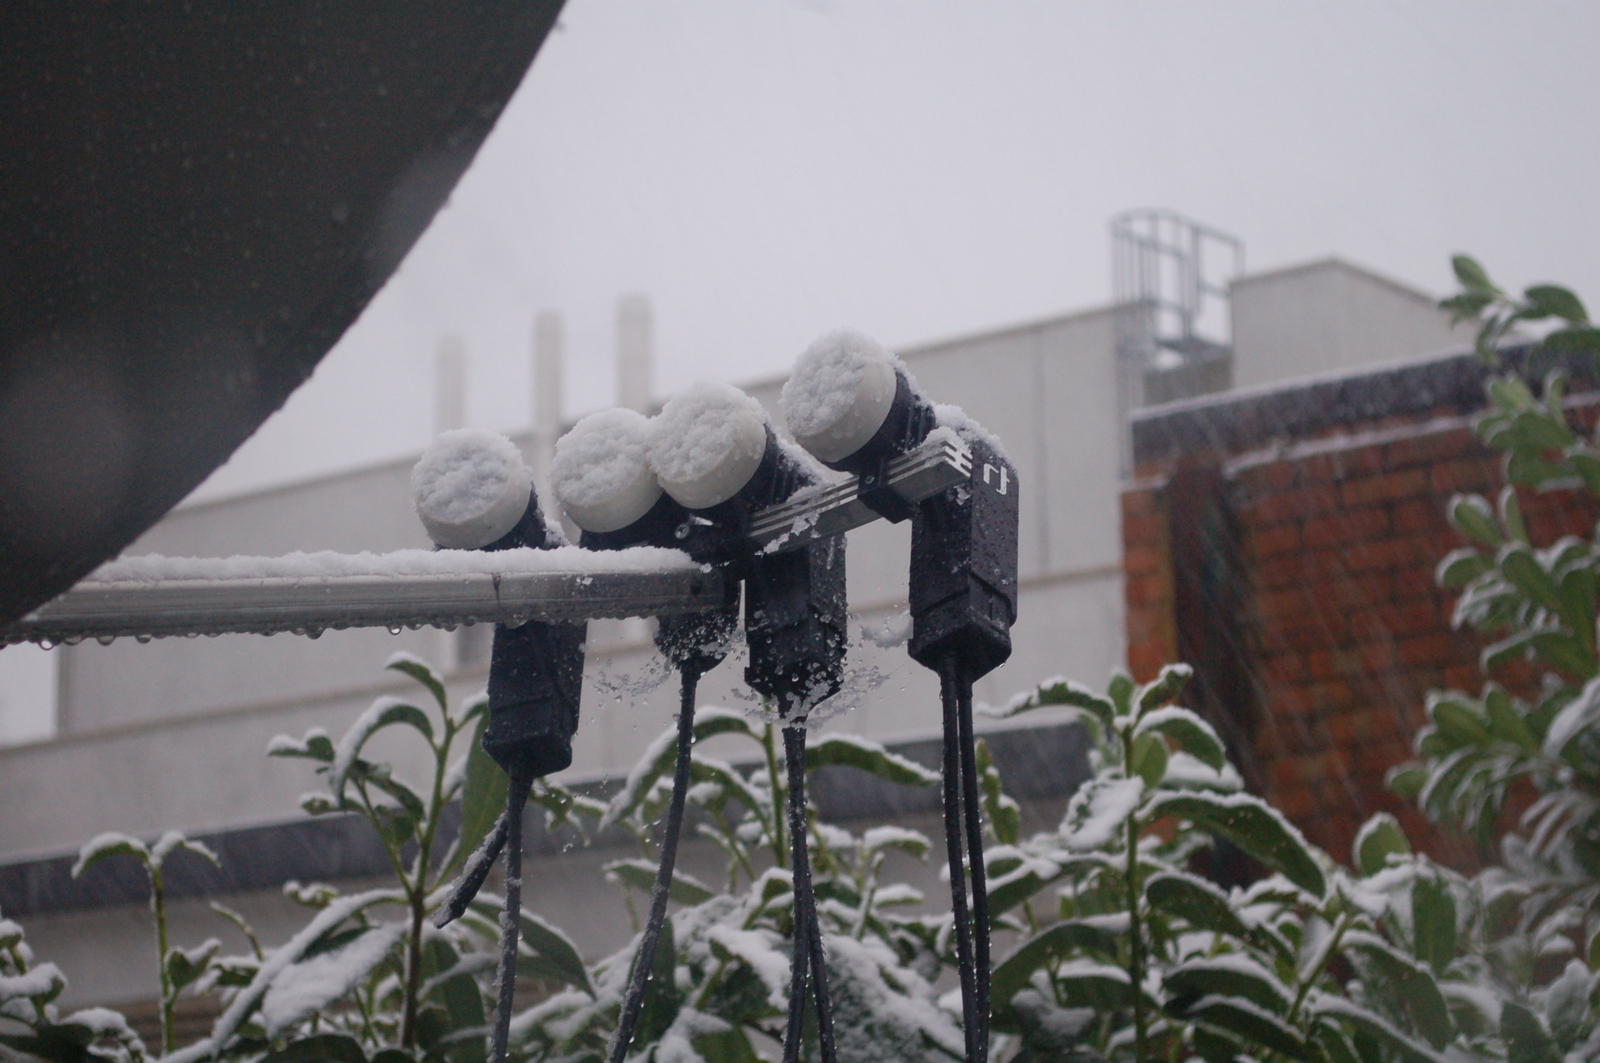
[839, 394]
[956, 419]
[244, 1002]
[344, 754]
[103, 1022]
[890, 632]
[470, 488]
[97, 846]
[898, 837]
[300, 989]
[757, 948]
[400, 564]
[1098, 810]
[601, 471]
[706, 444]
[41, 981]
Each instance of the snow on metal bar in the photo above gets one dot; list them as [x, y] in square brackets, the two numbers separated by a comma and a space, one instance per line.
[940, 463]
[155, 597]
[310, 605]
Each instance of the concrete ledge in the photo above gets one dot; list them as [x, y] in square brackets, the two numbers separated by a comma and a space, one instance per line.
[1035, 763]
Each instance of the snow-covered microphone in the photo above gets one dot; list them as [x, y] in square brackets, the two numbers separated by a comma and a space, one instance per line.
[852, 405]
[601, 476]
[715, 453]
[473, 492]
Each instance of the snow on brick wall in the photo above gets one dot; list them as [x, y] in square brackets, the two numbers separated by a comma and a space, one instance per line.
[1327, 546]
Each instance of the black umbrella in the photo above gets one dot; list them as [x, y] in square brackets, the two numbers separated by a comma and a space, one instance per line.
[196, 200]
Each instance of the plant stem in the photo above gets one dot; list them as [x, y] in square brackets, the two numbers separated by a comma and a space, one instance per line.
[168, 994]
[1136, 943]
[408, 1020]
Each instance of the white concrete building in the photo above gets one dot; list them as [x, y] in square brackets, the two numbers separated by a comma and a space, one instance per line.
[172, 733]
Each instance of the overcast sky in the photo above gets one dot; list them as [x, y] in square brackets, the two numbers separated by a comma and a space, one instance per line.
[768, 169]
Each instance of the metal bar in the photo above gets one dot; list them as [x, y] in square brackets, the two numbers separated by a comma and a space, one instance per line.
[939, 464]
[312, 605]
[480, 588]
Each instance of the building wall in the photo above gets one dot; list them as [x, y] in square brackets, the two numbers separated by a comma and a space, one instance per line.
[1333, 497]
[1333, 316]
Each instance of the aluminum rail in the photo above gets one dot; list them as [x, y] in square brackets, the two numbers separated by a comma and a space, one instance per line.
[490, 592]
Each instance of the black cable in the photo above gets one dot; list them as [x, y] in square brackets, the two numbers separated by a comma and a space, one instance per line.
[518, 783]
[644, 961]
[809, 958]
[972, 814]
[949, 682]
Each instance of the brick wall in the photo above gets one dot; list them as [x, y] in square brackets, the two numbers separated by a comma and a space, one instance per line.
[1285, 544]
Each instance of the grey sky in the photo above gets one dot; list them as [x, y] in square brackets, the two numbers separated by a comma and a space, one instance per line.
[769, 169]
[765, 170]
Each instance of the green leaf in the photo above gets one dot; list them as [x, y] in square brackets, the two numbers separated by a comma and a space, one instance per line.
[186, 965]
[109, 845]
[726, 1046]
[1013, 973]
[483, 796]
[1419, 992]
[1252, 1022]
[1149, 760]
[1164, 688]
[1466, 305]
[1574, 342]
[1406, 780]
[1510, 393]
[1505, 722]
[1520, 567]
[1121, 692]
[1433, 914]
[711, 721]
[1088, 984]
[422, 672]
[1192, 734]
[320, 1048]
[1511, 515]
[1234, 975]
[1458, 718]
[1526, 1038]
[866, 755]
[54, 1044]
[1254, 827]
[1005, 816]
[1564, 653]
[1379, 837]
[1191, 898]
[1460, 567]
[1471, 275]
[1471, 516]
[1556, 301]
[1063, 692]
[555, 951]
[1376, 1029]
[641, 875]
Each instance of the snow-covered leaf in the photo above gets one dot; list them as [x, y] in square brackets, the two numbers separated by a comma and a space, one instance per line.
[641, 875]
[1014, 973]
[1194, 899]
[1253, 826]
[1378, 838]
[302, 989]
[384, 712]
[108, 844]
[422, 672]
[1192, 734]
[1164, 688]
[1098, 812]
[1252, 1022]
[852, 751]
[1230, 975]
